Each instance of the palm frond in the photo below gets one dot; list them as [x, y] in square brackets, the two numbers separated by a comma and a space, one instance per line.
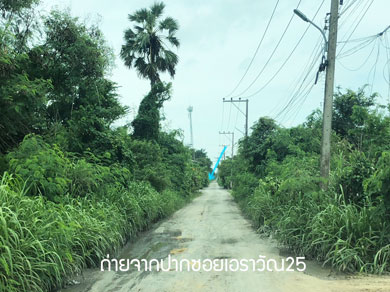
[127, 55]
[169, 24]
[157, 9]
[145, 70]
[142, 42]
[139, 16]
[171, 57]
[173, 40]
[139, 28]
[129, 34]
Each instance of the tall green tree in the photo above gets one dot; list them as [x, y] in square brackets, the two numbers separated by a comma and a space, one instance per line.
[83, 102]
[145, 45]
[145, 49]
[22, 95]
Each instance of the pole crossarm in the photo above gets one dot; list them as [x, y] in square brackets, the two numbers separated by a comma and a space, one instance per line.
[246, 110]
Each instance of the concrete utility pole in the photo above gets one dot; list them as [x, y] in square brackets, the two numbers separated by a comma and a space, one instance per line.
[190, 109]
[246, 112]
[229, 133]
[330, 51]
[329, 88]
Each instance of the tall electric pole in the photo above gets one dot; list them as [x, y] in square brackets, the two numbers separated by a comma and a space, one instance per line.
[229, 133]
[329, 64]
[246, 111]
[329, 88]
[190, 109]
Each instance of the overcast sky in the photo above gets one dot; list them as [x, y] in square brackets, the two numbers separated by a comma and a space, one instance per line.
[218, 39]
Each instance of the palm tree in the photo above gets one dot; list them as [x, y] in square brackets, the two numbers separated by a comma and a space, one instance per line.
[145, 48]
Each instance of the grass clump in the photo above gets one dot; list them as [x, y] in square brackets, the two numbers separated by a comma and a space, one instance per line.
[44, 243]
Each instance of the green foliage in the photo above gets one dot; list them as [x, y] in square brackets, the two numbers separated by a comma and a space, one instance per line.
[350, 172]
[43, 167]
[255, 148]
[80, 188]
[148, 164]
[276, 182]
[16, 5]
[378, 184]
[44, 243]
[22, 100]
[350, 110]
[147, 123]
[355, 120]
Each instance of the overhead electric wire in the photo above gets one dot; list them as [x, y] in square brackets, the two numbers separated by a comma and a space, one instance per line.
[345, 18]
[356, 26]
[387, 48]
[299, 103]
[308, 66]
[361, 65]
[223, 115]
[272, 54]
[257, 49]
[222, 120]
[238, 111]
[357, 40]
[347, 7]
[299, 90]
[299, 95]
[357, 48]
[230, 113]
[373, 69]
[288, 57]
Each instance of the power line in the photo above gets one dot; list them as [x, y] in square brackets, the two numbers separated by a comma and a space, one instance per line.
[272, 54]
[356, 26]
[357, 48]
[257, 49]
[223, 115]
[295, 109]
[347, 7]
[373, 69]
[294, 85]
[351, 12]
[297, 90]
[387, 46]
[299, 96]
[230, 113]
[288, 57]
[362, 64]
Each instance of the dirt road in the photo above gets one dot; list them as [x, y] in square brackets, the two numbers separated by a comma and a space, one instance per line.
[212, 227]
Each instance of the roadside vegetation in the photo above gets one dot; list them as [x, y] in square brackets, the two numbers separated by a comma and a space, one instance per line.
[74, 188]
[276, 181]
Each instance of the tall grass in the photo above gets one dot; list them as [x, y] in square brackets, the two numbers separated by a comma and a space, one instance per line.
[323, 226]
[43, 243]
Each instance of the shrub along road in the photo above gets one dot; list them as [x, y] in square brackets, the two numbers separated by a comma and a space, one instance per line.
[212, 227]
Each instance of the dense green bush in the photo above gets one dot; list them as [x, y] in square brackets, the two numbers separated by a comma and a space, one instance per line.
[44, 168]
[378, 185]
[276, 182]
